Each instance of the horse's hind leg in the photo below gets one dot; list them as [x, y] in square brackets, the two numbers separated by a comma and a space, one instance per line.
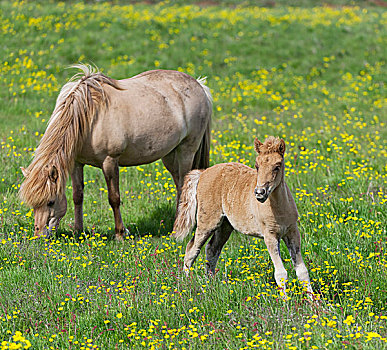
[78, 185]
[215, 246]
[179, 163]
[293, 242]
[193, 248]
[111, 172]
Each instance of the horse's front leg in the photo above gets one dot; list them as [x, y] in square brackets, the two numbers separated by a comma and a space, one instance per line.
[111, 172]
[78, 185]
[280, 275]
[293, 242]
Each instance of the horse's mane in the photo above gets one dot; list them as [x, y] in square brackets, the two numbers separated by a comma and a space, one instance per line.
[76, 107]
[271, 145]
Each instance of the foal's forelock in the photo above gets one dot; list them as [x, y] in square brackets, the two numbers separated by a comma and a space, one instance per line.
[271, 145]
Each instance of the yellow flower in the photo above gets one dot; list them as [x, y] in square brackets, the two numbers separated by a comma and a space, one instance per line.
[349, 320]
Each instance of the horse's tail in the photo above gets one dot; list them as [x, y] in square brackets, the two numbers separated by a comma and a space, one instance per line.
[202, 155]
[186, 213]
[202, 81]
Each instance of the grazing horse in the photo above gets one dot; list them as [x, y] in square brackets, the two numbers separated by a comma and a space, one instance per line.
[255, 202]
[109, 123]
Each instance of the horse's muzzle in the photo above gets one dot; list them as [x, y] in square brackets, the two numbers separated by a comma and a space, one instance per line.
[261, 194]
[42, 232]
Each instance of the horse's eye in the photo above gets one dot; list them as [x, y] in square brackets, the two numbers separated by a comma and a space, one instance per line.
[50, 203]
[256, 166]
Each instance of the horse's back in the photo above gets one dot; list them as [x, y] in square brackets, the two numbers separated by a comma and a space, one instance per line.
[169, 84]
[162, 99]
[149, 117]
[226, 179]
[226, 190]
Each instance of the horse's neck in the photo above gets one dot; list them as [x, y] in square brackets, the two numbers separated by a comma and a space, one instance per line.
[279, 198]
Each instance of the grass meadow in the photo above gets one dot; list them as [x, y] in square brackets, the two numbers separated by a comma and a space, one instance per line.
[313, 75]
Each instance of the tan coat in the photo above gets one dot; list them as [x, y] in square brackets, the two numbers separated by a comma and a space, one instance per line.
[232, 196]
[109, 123]
[228, 190]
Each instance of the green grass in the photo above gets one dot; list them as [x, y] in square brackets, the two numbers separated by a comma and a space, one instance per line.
[313, 75]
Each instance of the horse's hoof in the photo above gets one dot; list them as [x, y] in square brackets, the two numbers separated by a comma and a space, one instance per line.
[119, 237]
[122, 234]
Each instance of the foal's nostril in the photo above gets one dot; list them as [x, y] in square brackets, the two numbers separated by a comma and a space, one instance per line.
[260, 191]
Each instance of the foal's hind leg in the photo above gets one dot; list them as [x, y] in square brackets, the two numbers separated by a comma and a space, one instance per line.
[293, 242]
[78, 185]
[111, 172]
[193, 248]
[215, 246]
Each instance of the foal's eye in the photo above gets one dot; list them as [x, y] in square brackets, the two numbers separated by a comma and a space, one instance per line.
[277, 168]
[50, 203]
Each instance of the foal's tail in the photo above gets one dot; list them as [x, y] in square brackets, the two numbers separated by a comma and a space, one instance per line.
[202, 155]
[186, 214]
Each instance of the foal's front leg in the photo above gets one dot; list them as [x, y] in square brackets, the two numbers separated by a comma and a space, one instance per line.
[293, 242]
[111, 172]
[78, 185]
[273, 246]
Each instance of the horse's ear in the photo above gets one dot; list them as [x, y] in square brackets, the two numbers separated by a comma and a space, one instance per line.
[53, 175]
[281, 147]
[257, 144]
[25, 172]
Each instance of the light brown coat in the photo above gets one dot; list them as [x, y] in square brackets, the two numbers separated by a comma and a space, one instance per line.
[232, 196]
[109, 123]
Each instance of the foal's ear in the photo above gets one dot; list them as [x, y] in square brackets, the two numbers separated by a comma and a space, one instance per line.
[257, 144]
[281, 147]
[53, 174]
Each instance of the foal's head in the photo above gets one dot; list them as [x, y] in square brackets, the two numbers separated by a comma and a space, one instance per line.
[270, 166]
[40, 191]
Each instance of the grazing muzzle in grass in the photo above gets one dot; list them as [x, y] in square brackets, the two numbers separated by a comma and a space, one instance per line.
[48, 216]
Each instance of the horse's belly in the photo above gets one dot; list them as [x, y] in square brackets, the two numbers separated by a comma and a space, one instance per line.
[131, 143]
[247, 226]
[137, 157]
[132, 154]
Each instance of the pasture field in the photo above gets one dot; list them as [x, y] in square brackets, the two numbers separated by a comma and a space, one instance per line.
[315, 76]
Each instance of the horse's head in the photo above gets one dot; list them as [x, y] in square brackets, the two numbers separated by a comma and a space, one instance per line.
[270, 166]
[49, 211]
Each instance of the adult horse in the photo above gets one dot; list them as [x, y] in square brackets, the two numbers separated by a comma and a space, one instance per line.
[109, 123]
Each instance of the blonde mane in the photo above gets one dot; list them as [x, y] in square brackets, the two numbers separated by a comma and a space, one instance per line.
[77, 105]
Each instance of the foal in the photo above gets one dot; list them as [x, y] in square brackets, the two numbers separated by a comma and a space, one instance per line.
[255, 202]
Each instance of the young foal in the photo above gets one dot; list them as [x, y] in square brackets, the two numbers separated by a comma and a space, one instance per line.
[255, 202]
